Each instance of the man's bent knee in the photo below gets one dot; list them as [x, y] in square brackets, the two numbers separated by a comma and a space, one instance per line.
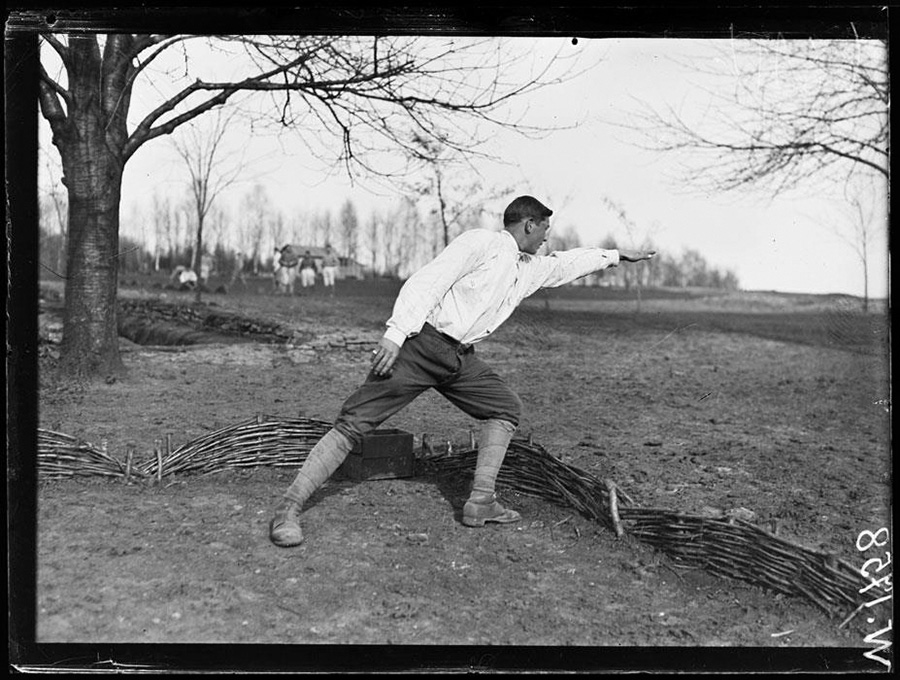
[509, 412]
[506, 425]
[352, 430]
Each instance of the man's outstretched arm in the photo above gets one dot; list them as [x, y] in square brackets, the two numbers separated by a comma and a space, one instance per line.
[635, 255]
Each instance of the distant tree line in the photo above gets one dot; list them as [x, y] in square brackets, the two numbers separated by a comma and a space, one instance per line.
[390, 244]
[691, 269]
[687, 269]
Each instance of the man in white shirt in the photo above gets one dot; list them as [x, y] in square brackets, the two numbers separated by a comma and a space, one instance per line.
[330, 264]
[441, 312]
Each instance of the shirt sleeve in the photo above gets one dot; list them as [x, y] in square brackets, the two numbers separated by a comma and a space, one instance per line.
[424, 290]
[562, 267]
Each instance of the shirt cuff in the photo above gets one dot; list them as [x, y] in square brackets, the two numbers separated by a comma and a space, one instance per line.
[614, 258]
[395, 335]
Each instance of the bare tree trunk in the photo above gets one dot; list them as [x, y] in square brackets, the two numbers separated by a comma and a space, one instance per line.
[93, 176]
[90, 143]
[199, 258]
[443, 208]
[865, 263]
[61, 250]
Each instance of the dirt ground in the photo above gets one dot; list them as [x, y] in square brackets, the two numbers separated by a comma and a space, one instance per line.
[684, 406]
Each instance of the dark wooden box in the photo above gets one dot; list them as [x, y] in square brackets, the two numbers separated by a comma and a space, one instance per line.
[382, 454]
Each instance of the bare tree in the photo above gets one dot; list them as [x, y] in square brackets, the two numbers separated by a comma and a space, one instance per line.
[158, 215]
[694, 269]
[564, 239]
[668, 270]
[169, 225]
[371, 240]
[349, 97]
[300, 228]
[322, 228]
[435, 156]
[57, 203]
[787, 115]
[254, 217]
[181, 238]
[134, 232]
[349, 227]
[783, 115]
[400, 233]
[210, 172]
[218, 223]
[453, 187]
[161, 212]
[278, 229]
[856, 225]
[636, 240]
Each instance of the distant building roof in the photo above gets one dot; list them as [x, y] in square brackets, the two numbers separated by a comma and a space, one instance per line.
[315, 251]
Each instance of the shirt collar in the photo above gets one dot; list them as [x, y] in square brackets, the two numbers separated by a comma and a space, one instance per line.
[510, 241]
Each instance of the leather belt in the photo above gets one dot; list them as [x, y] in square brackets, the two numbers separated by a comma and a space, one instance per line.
[460, 347]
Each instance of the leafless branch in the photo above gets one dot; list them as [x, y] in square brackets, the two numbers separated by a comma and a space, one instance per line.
[162, 42]
[362, 96]
[50, 106]
[795, 113]
[56, 87]
[145, 130]
[61, 49]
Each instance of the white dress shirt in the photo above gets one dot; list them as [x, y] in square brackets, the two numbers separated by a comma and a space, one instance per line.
[478, 280]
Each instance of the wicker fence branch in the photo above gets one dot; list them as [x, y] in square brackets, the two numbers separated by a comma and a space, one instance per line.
[61, 455]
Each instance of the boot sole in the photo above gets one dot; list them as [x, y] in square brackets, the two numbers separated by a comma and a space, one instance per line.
[285, 544]
[478, 522]
[282, 543]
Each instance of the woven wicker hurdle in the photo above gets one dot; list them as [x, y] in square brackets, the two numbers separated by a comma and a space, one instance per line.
[723, 546]
[726, 547]
[61, 456]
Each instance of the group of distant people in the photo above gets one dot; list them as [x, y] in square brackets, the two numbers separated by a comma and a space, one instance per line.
[288, 263]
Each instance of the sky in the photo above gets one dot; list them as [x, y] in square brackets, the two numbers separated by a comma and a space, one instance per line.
[787, 243]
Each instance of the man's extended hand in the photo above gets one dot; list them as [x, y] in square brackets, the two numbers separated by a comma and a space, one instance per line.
[636, 255]
[384, 357]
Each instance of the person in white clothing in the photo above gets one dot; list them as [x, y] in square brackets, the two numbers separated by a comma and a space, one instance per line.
[440, 314]
[286, 270]
[185, 277]
[205, 269]
[307, 270]
[330, 264]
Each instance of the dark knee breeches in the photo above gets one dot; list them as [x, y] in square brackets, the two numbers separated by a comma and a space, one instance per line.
[429, 360]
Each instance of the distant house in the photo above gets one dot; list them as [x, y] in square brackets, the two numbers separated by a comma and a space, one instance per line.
[348, 269]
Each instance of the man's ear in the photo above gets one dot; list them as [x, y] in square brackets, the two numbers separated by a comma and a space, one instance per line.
[529, 226]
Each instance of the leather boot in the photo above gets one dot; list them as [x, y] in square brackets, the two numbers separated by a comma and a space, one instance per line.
[482, 508]
[284, 529]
